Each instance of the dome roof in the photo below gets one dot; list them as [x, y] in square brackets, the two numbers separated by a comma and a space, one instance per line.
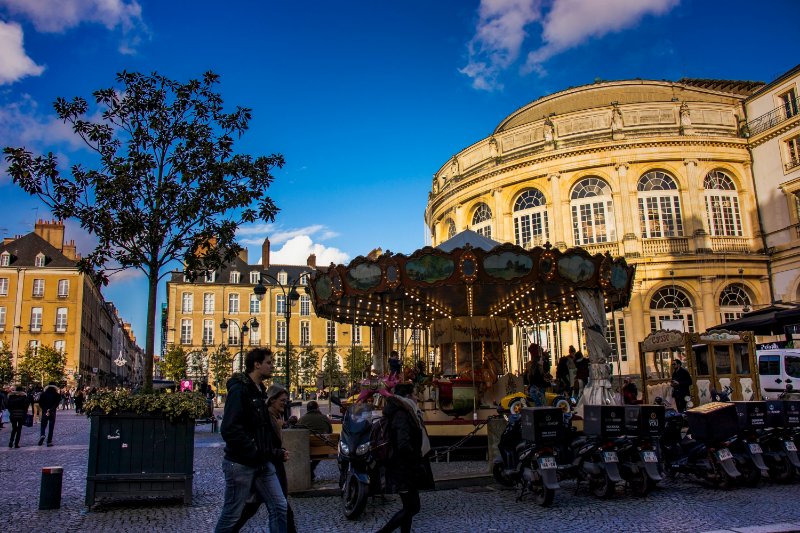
[629, 92]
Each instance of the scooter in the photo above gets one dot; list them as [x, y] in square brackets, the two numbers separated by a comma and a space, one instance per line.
[711, 462]
[359, 472]
[749, 456]
[531, 466]
[639, 464]
[590, 459]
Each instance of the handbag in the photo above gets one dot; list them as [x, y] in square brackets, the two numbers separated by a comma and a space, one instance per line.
[28, 422]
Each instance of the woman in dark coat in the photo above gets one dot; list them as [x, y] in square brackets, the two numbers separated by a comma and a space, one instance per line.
[18, 403]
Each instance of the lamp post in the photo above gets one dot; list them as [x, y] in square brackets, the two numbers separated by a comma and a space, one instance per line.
[254, 325]
[291, 296]
[120, 361]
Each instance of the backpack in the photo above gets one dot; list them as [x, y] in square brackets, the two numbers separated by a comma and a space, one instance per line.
[36, 396]
[379, 438]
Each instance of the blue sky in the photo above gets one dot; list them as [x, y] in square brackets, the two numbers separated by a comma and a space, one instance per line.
[365, 99]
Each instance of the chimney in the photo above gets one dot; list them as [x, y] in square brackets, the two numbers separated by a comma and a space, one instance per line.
[69, 251]
[312, 261]
[243, 255]
[52, 231]
[265, 254]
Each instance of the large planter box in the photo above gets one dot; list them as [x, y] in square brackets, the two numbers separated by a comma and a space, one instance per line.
[752, 415]
[134, 456]
[604, 420]
[644, 420]
[541, 424]
[713, 422]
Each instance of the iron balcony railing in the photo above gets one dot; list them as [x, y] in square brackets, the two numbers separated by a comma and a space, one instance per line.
[766, 121]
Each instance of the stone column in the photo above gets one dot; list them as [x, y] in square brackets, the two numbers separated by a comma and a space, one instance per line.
[638, 329]
[694, 224]
[458, 218]
[557, 228]
[499, 230]
[710, 317]
[764, 286]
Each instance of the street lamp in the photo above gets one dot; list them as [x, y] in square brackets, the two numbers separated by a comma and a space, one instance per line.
[120, 361]
[245, 329]
[291, 296]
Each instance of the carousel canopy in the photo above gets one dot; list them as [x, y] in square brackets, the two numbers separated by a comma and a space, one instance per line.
[468, 238]
[507, 281]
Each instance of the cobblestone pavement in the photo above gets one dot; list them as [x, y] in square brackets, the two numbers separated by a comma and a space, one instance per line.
[677, 506]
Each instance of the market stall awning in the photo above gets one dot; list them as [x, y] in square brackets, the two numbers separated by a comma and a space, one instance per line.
[526, 286]
[770, 320]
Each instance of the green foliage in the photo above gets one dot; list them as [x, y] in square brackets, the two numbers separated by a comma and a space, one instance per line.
[177, 405]
[356, 360]
[221, 366]
[309, 366]
[166, 184]
[294, 366]
[331, 369]
[6, 366]
[174, 365]
[43, 365]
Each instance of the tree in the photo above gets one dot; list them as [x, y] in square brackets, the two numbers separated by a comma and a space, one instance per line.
[221, 365]
[309, 365]
[355, 361]
[331, 369]
[43, 365]
[174, 365]
[294, 366]
[167, 183]
[6, 366]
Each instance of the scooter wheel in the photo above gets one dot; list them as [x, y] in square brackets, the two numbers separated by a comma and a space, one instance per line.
[354, 497]
[751, 475]
[641, 484]
[497, 473]
[542, 495]
[782, 471]
[601, 486]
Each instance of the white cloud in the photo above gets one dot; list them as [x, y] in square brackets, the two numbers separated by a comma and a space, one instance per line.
[14, 62]
[53, 16]
[254, 234]
[570, 23]
[297, 249]
[498, 39]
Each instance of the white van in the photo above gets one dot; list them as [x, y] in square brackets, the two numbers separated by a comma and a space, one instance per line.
[776, 369]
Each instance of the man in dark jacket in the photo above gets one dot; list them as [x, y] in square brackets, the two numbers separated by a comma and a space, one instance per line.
[316, 422]
[249, 453]
[49, 401]
[405, 437]
[18, 403]
[681, 381]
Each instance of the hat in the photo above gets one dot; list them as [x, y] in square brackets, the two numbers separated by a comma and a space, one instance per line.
[275, 390]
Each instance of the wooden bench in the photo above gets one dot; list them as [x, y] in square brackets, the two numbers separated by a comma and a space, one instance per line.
[324, 446]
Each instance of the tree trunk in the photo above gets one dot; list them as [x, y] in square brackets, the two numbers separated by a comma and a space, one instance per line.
[150, 344]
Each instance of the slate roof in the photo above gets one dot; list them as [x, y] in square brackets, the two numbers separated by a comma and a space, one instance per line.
[25, 249]
[293, 273]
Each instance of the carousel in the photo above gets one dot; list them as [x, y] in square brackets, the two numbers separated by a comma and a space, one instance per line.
[463, 300]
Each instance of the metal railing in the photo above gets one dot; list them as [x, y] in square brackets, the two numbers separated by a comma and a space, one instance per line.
[792, 163]
[781, 113]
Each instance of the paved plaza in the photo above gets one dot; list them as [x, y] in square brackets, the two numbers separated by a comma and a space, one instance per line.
[676, 507]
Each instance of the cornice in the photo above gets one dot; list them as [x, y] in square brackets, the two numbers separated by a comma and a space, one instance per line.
[473, 177]
[768, 135]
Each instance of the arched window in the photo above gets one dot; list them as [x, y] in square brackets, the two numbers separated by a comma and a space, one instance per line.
[592, 212]
[722, 205]
[733, 302]
[659, 206]
[671, 303]
[451, 228]
[482, 220]
[530, 219]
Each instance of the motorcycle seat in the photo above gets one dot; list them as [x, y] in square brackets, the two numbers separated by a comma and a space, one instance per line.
[577, 443]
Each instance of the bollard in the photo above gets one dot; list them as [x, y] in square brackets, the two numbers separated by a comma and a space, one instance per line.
[50, 488]
[298, 469]
[494, 429]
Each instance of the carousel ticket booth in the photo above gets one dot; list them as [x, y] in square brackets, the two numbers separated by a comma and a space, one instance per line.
[717, 360]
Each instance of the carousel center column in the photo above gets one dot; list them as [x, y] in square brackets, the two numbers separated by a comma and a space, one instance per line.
[598, 391]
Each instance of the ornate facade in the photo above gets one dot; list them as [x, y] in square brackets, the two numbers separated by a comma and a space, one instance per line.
[655, 171]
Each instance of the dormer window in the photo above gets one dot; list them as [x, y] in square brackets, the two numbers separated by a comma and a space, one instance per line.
[304, 278]
[282, 277]
[39, 260]
[211, 276]
[255, 277]
[234, 277]
[5, 259]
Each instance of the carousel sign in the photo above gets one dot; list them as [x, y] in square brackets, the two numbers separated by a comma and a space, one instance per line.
[661, 340]
[471, 329]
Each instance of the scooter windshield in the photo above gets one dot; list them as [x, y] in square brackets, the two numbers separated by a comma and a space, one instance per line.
[358, 418]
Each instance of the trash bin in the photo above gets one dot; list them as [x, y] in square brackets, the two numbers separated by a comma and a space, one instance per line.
[50, 488]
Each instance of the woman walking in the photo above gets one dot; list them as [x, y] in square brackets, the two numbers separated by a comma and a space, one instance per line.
[18, 403]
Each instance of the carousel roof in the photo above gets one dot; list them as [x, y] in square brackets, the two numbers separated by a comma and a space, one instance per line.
[468, 238]
[526, 286]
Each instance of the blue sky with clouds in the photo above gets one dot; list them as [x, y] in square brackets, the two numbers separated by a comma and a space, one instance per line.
[366, 100]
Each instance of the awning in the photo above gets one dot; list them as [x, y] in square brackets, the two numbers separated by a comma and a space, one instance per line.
[770, 320]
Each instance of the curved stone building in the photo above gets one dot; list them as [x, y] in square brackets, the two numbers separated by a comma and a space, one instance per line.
[656, 171]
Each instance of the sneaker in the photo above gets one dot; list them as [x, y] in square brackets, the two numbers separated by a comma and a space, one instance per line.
[41, 440]
[49, 444]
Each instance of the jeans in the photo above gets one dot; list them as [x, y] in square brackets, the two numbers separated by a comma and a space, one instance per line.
[48, 421]
[402, 519]
[240, 482]
[16, 432]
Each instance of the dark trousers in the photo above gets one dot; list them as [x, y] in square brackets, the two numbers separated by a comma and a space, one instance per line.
[405, 515]
[48, 421]
[16, 431]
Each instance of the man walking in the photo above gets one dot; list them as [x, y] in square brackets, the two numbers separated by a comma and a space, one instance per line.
[681, 381]
[316, 422]
[249, 453]
[49, 401]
